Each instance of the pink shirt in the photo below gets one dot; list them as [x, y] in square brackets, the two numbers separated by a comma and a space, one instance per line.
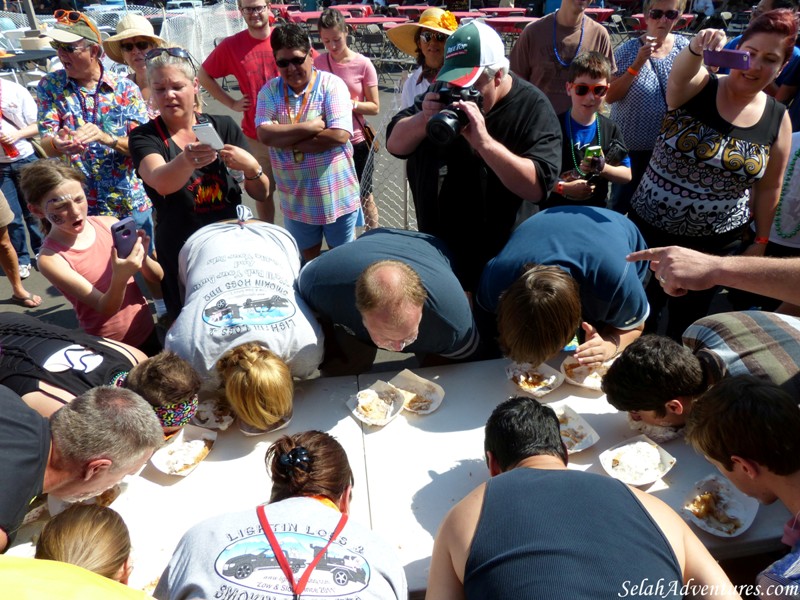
[132, 323]
[359, 74]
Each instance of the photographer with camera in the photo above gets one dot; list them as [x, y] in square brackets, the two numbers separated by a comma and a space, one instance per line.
[478, 144]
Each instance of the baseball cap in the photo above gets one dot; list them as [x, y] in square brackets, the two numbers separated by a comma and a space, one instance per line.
[470, 48]
[75, 31]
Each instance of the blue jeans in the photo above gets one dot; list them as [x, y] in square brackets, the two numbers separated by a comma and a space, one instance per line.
[9, 185]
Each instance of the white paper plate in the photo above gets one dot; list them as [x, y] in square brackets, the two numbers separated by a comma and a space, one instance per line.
[658, 433]
[730, 502]
[588, 377]
[212, 414]
[370, 394]
[575, 431]
[185, 451]
[420, 395]
[550, 378]
[617, 461]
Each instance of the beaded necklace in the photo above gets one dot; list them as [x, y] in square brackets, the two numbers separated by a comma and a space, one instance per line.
[568, 123]
[784, 190]
[555, 41]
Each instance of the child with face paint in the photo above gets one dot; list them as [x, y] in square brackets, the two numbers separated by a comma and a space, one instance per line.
[78, 257]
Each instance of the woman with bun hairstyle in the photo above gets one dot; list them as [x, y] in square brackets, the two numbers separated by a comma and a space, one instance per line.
[307, 528]
[89, 536]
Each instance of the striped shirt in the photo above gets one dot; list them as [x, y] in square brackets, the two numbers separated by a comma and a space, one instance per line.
[762, 344]
[323, 186]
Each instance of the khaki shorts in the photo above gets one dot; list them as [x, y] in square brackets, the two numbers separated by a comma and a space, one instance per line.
[261, 153]
[6, 214]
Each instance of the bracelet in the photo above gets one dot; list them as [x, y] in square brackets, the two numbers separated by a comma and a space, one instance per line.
[761, 240]
[633, 71]
[560, 188]
[615, 338]
[256, 176]
[355, 104]
[692, 51]
[114, 141]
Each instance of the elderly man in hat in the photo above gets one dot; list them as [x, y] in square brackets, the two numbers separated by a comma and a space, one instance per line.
[506, 149]
[86, 114]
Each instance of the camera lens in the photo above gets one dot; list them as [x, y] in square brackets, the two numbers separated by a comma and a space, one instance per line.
[445, 126]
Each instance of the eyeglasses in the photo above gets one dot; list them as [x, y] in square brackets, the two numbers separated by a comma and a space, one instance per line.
[297, 61]
[68, 48]
[129, 46]
[396, 346]
[581, 89]
[253, 10]
[428, 36]
[657, 13]
[70, 17]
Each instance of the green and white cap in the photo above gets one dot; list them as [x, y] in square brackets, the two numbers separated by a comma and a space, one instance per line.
[468, 50]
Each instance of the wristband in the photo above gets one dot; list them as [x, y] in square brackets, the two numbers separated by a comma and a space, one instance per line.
[692, 51]
[114, 141]
[560, 188]
[256, 176]
[761, 240]
[355, 104]
[615, 338]
[633, 71]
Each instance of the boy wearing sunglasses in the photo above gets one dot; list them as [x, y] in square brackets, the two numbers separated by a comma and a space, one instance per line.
[86, 114]
[584, 181]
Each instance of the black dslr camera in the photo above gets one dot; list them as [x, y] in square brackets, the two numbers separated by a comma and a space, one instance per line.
[446, 126]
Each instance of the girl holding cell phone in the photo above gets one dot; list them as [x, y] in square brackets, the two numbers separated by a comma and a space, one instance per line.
[79, 258]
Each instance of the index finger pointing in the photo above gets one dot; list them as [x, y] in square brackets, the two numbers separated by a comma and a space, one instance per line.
[649, 254]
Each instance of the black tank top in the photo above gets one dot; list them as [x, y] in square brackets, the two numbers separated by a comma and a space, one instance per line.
[567, 535]
[26, 343]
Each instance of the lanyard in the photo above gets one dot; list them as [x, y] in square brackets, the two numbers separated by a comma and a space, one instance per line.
[312, 85]
[82, 100]
[300, 586]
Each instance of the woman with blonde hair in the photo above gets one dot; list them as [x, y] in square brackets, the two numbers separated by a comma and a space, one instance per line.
[259, 387]
[90, 536]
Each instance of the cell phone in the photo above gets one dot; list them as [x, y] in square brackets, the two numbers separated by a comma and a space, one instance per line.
[206, 133]
[728, 59]
[592, 151]
[124, 235]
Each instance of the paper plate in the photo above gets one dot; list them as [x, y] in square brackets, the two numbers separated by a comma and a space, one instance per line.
[377, 405]
[658, 433]
[588, 377]
[534, 381]
[213, 414]
[727, 511]
[637, 461]
[56, 505]
[575, 431]
[420, 395]
[186, 450]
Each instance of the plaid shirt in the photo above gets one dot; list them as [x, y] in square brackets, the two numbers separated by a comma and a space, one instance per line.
[112, 187]
[324, 185]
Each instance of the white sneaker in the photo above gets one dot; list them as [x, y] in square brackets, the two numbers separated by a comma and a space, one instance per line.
[24, 271]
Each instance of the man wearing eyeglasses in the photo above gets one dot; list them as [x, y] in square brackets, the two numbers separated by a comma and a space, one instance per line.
[247, 56]
[86, 114]
[391, 289]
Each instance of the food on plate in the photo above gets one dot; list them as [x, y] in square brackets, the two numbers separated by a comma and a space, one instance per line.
[576, 433]
[710, 507]
[572, 436]
[419, 395]
[107, 497]
[590, 376]
[378, 404]
[213, 413]
[636, 461]
[184, 456]
[657, 433]
[534, 380]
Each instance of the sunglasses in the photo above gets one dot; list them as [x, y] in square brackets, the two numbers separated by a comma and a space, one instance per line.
[68, 48]
[428, 36]
[253, 10]
[657, 13]
[176, 52]
[70, 17]
[581, 89]
[129, 46]
[297, 61]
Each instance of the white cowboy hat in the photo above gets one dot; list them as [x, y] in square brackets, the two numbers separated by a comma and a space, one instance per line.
[130, 26]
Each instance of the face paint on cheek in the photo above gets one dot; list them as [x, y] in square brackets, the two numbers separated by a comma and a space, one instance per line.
[55, 219]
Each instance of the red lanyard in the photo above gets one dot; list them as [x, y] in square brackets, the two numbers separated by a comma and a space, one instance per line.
[297, 588]
[306, 96]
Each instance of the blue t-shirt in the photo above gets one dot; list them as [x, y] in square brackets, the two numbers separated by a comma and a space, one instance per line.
[447, 328]
[588, 243]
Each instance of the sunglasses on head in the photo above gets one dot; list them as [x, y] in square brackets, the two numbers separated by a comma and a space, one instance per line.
[581, 89]
[428, 36]
[297, 61]
[176, 52]
[68, 48]
[657, 13]
[129, 46]
[70, 17]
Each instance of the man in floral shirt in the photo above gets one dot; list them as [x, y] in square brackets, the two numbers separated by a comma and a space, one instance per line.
[86, 114]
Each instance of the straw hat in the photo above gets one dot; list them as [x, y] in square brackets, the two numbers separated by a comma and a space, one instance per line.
[130, 26]
[433, 19]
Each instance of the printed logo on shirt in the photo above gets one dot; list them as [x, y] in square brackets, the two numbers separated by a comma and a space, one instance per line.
[73, 357]
[207, 192]
[250, 563]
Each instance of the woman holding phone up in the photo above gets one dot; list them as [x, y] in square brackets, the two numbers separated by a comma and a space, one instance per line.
[79, 258]
[719, 158]
[190, 183]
